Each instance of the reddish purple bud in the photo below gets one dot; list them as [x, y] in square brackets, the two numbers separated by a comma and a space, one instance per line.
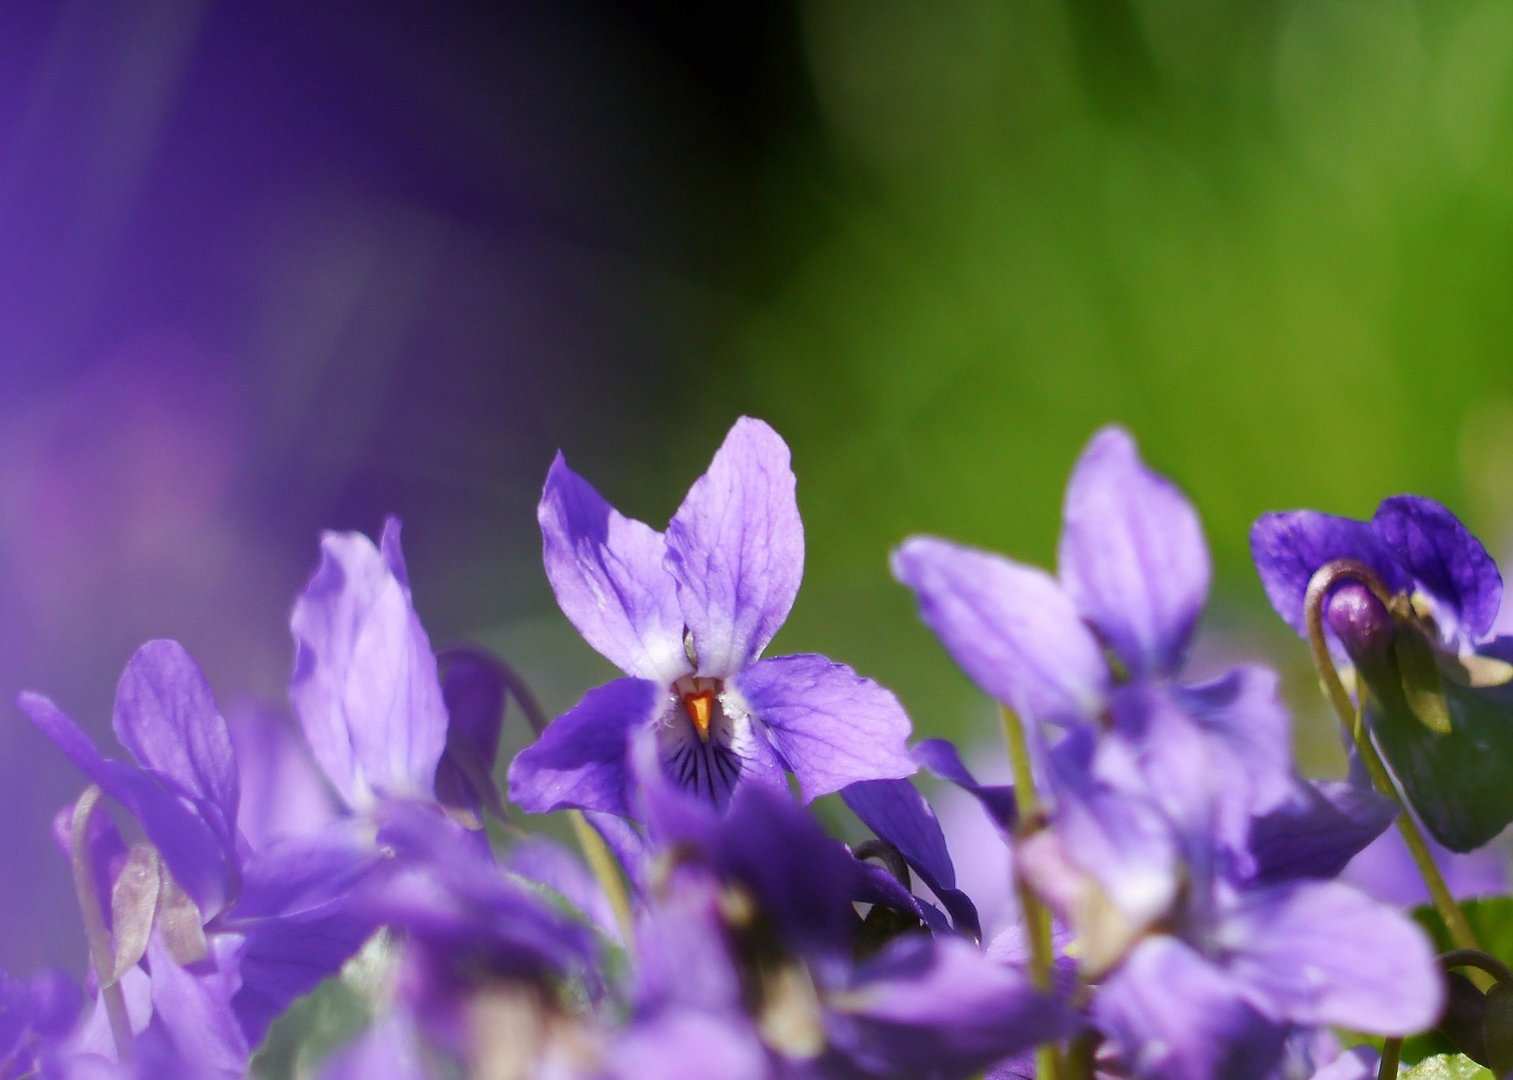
[1362, 623]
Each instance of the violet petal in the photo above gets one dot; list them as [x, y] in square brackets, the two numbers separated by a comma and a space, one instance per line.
[365, 687]
[736, 548]
[165, 715]
[610, 577]
[831, 726]
[1290, 546]
[1175, 1016]
[1132, 555]
[580, 759]
[1444, 558]
[1012, 629]
[1325, 953]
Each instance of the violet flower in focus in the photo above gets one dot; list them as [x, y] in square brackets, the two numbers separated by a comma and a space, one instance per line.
[686, 615]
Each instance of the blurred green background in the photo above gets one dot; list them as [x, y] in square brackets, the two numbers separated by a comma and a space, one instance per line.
[1272, 239]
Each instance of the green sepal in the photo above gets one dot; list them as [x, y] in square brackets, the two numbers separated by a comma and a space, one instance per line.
[1418, 673]
[1459, 781]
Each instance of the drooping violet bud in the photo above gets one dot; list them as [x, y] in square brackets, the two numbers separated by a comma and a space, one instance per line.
[1362, 623]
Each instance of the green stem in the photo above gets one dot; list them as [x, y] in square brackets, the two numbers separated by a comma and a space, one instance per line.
[1352, 718]
[1036, 916]
[1392, 1054]
[602, 861]
[101, 948]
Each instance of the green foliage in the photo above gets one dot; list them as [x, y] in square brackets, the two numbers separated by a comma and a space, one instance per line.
[1490, 918]
[1448, 1067]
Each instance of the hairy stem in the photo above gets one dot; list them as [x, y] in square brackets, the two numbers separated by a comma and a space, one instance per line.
[1036, 916]
[602, 861]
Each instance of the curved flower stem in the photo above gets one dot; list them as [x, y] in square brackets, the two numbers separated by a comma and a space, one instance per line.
[1484, 963]
[888, 855]
[1037, 918]
[101, 948]
[516, 687]
[1475, 958]
[1352, 717]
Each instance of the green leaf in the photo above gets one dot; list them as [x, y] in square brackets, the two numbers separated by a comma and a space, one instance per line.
[1459, 782]
[1448, 1067]
[1490, 918]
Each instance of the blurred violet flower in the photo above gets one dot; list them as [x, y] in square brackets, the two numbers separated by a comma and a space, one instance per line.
[1154, 787]
[211, 937]
[1414, 607]
[685, 615]
[751, 938]
[1103, 644]
[1386, 871]
[365, 685]
[482, 959]
[1201, 973]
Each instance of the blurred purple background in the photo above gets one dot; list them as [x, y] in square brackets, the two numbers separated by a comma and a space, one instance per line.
[266, 270]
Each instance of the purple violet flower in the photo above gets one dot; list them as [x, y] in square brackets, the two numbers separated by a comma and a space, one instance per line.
[1198, 967]
[1105, 642]
[1415, 615]
[1199, 972]
[365, 686]
[686, 615]
[226, 935]
[751, 930]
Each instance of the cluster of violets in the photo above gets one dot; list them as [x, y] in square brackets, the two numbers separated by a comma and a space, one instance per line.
[1178, 904]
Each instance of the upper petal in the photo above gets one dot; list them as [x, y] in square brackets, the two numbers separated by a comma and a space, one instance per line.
[610, 576]
[1444, 558]
[191, 848]
[365, 687]
[580, 760]
[166, 716]
[1132, 555]
[831, 726]
[1011, 628]
[736, 548]
[1290, 546]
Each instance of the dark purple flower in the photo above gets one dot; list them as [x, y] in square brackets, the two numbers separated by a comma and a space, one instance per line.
[482, 955]
[1413, 610]
[751, 929]
[686, 615]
